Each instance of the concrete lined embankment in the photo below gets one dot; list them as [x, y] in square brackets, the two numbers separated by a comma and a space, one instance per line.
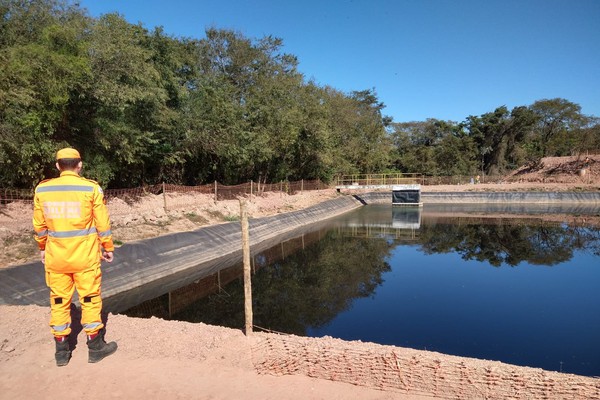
[164, 263]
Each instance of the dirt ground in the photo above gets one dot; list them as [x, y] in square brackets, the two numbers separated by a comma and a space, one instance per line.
[168, 359]
[156, 359]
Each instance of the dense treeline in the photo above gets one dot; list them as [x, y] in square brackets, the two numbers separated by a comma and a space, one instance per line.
[495, 142]
[146, 107]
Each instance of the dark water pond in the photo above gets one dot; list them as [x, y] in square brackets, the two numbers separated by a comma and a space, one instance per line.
[514, 289]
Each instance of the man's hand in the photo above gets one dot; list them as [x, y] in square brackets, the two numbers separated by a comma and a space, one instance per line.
[43, 256]
[107, 256]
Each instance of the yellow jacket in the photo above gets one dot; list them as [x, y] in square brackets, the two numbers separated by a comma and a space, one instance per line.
[71, 223]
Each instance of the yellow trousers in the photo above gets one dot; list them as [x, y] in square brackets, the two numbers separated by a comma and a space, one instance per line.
[62, 287]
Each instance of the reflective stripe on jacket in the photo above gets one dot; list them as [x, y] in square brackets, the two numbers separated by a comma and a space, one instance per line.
[71, 222]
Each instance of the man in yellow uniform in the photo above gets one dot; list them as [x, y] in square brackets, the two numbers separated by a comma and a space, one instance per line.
[72, 229]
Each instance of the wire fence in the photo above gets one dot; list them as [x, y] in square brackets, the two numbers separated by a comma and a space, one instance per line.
[460, 179]
[176, 196]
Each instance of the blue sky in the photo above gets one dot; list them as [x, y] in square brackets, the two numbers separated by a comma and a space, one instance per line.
[444, 59]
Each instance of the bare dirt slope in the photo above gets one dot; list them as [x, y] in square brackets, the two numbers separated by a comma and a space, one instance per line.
[574, 169]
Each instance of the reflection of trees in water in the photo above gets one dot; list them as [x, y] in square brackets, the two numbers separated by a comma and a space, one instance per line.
[306, 281]
[510, 242]
[306, 289]
[588, 238]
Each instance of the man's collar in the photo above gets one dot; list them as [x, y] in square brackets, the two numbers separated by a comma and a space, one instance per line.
[70, 173]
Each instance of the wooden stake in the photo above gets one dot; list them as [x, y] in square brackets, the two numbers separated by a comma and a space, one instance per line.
[170, 307]
[246, 259]
[164, 196]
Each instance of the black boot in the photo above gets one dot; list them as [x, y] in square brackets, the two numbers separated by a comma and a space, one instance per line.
[98, 348]
[63, 353]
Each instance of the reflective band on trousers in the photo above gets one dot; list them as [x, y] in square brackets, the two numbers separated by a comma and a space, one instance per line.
[60, 328]
[104, 234]
[65, 188]
[70, 234]
[92, 325]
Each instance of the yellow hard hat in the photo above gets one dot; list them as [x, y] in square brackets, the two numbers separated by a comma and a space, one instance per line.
[67, 153]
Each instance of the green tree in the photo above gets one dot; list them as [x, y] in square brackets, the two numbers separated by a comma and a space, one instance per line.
[455, 155]
[314, 152]
[215, 131]
[174, 61]
[433, 147]
[123, 102]
[40, 71]
[247, 103]
[359, 131]
[556, 118]
[589, 136]
[274, 113]
[498, 136]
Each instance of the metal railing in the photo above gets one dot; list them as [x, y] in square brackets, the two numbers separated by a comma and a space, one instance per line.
[378, 179]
